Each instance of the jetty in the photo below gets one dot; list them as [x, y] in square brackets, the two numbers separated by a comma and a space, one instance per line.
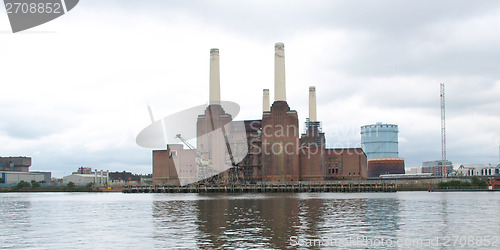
[254, 188]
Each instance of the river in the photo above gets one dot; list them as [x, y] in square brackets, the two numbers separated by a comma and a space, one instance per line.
[402, 220]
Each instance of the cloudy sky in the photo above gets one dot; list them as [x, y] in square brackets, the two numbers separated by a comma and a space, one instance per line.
[74, 91]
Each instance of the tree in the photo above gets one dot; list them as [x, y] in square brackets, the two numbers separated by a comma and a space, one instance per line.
[478, 182]
[35, 184]
[90, 186]
[70, 185]
[22, 184]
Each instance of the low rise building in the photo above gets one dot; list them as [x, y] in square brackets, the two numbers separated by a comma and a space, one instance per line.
[478, 170]
[414, 170]
[16, 169]
[12, 177]
[127, 178]
[437, 168]
[98, 178]
[383, 166]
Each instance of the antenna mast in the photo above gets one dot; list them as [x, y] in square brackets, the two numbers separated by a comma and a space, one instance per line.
[443, 132]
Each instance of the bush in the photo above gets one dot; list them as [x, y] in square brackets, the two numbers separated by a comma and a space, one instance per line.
[478, 182]
[35, 184]
[22, 184]
[89, 187]
[70, 185]
[475, 182]
[454, 183]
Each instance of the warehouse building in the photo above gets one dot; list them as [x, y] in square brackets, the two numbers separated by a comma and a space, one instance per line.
[84, 176]
[16, 169]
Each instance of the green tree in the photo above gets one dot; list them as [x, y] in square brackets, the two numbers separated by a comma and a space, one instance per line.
[90, 186]
[478, 182]
[22, 184]
[35, 184]
[70, 185]
[454, 183]
[1, 180]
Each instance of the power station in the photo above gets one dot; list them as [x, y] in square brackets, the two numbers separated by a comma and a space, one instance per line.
[275, 151]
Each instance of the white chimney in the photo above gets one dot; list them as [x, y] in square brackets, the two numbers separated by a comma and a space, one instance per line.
[214, 77]
[265, 101]
[279, 72]
[312, 104]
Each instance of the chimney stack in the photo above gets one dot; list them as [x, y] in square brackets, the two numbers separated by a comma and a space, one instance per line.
[312, 104]
[214, 77]
[265, 101]
[279, 72]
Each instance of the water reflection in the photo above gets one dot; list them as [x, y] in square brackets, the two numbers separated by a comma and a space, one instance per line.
[174, 223]
[383, 216]
[220, 221]
[15, 219]
[272, 221]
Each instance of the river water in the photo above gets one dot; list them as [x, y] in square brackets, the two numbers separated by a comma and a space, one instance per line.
[402, 220]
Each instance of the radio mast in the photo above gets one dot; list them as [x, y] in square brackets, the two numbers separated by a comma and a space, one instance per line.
[443, 133]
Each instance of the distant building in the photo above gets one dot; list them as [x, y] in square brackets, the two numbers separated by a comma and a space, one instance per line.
[380, 143]
[11, 177]
[127, 178]
[437, 168]
[415, 170]
[380, 140]
[16, 169]
[383, 166]
[478, 170]
[15, 164]
[83, 170]
[99, 178]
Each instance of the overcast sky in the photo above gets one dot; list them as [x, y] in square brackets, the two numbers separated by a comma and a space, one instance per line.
[74, 91]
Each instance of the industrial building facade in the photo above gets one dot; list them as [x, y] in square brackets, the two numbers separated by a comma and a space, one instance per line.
[275, 150]
[16, 169]
[84, 176]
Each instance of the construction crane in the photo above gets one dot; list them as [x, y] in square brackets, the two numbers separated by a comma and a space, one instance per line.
[185, 142]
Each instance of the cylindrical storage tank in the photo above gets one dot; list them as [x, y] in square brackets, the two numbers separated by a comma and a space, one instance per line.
[380, 140]
[379, 166]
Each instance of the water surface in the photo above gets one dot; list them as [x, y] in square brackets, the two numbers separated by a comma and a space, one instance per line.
[318, 220]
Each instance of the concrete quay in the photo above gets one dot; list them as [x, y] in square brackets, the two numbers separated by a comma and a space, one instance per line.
[299, 188]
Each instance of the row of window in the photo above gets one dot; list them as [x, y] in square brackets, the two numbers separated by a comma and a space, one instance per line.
[333, 171]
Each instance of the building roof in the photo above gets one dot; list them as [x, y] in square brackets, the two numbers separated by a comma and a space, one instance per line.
[87, 175]
[387, 159]
[479, 166]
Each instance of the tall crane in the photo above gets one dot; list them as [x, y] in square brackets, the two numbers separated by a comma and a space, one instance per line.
[185, 142]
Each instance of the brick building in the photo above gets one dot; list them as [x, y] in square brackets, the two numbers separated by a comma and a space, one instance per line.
[274, 151]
